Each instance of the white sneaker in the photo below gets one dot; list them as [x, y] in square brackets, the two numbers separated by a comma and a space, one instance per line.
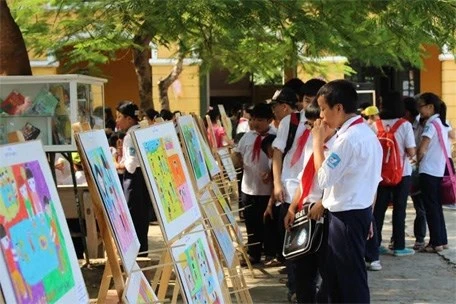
[374, 266]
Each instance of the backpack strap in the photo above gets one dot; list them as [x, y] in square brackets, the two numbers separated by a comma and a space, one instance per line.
[379, 125]
[295, 117]
[442, 145]
[397, 124]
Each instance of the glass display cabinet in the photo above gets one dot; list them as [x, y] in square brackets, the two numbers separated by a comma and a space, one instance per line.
[45, 107]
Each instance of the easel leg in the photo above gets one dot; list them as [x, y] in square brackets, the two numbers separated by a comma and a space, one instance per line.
[159, 271]
[175, 293]
[104, 285]
[166, 275]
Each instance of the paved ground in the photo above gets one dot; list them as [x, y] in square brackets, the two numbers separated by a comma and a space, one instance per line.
[421, 278]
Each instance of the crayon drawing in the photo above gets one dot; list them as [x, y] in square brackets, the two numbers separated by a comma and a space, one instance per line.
[196, 268]
[169, 180]
[104, 175]
[191, 139]
[37, 261]
[218, 227]
[209, 159]
[227, 163]
[138, 289]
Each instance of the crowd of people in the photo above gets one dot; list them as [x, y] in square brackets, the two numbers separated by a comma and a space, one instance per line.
[320, 147]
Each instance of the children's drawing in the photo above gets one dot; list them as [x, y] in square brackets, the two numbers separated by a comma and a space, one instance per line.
[227, 212]
[227, 163]
[191, 139]
[209, 159]
[196, 268]
[102, 170]
[162, 159]
[138, 289]
[37, 261]
[218, 227]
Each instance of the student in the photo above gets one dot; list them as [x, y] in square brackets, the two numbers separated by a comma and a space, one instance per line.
[255, 191]
[431, 164]
[390, 116]
[151, 115]
[371, 113]
[349, 177]
[134, 185]
[306, 268]
[243, 123]
[221, 139]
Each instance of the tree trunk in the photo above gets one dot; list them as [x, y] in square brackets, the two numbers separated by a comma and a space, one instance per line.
[14, 58]
[143, 71]
[164, 84]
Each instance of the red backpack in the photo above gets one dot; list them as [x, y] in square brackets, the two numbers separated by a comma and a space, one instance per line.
[392, 167]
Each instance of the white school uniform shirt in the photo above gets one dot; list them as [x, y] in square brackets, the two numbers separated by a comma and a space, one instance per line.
[316, 192]
[352, 171]
[446, 133]
[252, 183]
[129, 154]
[405, 138]
[243, 126]
[289, 177]
[433, 162]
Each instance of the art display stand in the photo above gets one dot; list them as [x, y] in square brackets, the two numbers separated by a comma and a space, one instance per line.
[112, 269]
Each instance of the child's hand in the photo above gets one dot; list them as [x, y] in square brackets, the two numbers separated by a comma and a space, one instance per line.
[266, 177]
[268, 212]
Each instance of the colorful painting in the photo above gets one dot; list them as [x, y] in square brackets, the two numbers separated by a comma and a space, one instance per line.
[196, 269]
[209, 159]
[138, 289]
[95, 150]
[227, 163]
[226, 121]
[38, 263]
[194, 150]
[227, 212]
[218, 228]
[173, 195]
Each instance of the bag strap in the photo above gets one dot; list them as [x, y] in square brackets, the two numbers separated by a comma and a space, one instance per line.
[397, 124]
[379, 125]
[445, 153]
[295, 117]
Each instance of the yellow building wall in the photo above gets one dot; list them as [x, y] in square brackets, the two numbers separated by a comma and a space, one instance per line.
[431, 72]
[39, 71]
[449, 89]
[188, 99]
[333, 71]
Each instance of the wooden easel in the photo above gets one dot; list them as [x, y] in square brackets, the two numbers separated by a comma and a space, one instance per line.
[112, 269]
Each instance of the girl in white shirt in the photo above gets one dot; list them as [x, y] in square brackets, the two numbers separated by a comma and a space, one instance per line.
[432, 162]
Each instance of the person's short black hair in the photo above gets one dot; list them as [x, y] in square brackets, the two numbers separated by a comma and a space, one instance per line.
[296, 85]
[411, 106]
[128, 108]
[214, 114]
[439, 105]
[392, 106]
[112, 141]
[312, 111]
[166, 115]
[287, 96]
[152, 113]
[267, 142]
[262, 110]
[311, 87]
[340, 92]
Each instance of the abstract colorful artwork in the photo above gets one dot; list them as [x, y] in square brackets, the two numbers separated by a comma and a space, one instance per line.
[196, 268]
[173, 195]
[138, 289]
[227, 212]
[218, 227]
[38, 263]
[102, 170]
[227, 163]
[209, 159]
[194, 150]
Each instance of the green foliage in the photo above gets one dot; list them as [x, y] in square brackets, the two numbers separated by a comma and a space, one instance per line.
[245, 36]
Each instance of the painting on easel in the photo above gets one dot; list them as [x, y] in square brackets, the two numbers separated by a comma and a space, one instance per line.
[38, 263]
[169, 180]
[138, 289]
[210, 161]
[194, 149]
[218, 227]
[196, 268]
[102, 171]
[227, 163]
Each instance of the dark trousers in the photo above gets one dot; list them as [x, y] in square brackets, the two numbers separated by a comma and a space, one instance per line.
[139, 204]
[398, 194]
[344, 273]
[430, 191]
[253, 214]
[306, 278]
[372, 244]
[419, 224]
[272, 245]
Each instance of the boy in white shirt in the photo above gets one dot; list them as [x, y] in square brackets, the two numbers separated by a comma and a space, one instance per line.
[256, 187]
[349, 176]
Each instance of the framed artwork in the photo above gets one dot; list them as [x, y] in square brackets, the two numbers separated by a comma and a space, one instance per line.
[227, 163]
[227, 212]
[209, 158]
[196, 268]
[226, 121]
[38, 263]
[95, 150]
[218, 227]
[191, 140]
[168, 178]
[138, 289]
